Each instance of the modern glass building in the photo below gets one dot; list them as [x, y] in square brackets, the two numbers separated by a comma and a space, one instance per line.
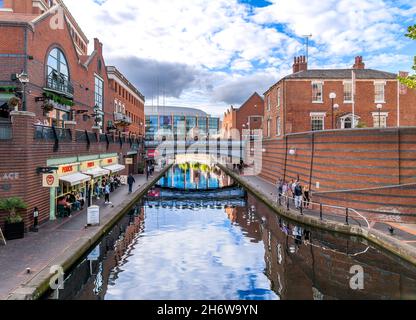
[165, 122]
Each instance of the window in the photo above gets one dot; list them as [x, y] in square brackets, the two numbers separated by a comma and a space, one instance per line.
[57, 66]
[99, 94]
[278, 98]
[269, 122]
[278, 126]
[318, 121]
[347, 92]
[379, 92]
[268, 103]
[380, 119]
[317, 92]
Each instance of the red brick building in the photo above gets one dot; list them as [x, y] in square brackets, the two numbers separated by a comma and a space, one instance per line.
[248, 117]
[128, 104]
[324, 99]
[57, 109]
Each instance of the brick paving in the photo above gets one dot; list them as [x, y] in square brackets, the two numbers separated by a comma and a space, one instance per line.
[403, 232]
[36, 250]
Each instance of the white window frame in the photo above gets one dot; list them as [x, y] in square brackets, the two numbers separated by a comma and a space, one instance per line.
[356, 120]
[321, 84]
[268, 103]
[377, 83]
[269, 127]
[349, 83]
[383, 115]
[318, 116]
[278, 126]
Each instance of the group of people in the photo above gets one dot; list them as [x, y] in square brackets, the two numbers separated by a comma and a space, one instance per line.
[150, 169]
[73, 201]
[108, 185]
[296, 191]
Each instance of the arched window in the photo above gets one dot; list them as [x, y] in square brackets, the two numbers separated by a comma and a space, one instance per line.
[57, 65]
[348, 123]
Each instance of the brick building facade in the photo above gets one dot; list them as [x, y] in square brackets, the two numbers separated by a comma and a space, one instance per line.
[248, 117]
[128, 104]
[57, 109]
[325, 99]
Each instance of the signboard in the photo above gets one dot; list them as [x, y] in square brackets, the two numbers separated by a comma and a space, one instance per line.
[94, 254]
[129, 161]
[67, 169]
[50, 180]
[88, 165]
[123, 180]
[93, 216]
[109, 161]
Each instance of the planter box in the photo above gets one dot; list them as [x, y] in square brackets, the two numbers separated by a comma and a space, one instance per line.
[13, 231]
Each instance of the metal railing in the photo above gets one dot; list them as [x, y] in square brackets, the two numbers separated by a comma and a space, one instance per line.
[119, 117]
[44, 133]
[5, 130]
[59, 85]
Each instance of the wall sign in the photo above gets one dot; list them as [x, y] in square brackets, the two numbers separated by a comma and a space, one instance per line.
[50, 180]
[9, 176]
[129, 161]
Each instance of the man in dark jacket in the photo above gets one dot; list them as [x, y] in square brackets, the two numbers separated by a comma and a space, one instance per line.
[130, 181]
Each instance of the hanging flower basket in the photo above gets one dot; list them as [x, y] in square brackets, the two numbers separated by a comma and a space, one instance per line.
[47, 107]
[13, 102]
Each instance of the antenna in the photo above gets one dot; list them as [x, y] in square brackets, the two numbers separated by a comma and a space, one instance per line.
[307, 37]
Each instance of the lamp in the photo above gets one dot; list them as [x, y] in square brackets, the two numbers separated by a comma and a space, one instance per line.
[332, 96]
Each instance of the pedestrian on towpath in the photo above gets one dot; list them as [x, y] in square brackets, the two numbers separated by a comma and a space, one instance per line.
[298, 195]
[130, 182]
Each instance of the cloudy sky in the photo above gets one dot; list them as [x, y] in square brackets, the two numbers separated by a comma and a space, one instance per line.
[211, 54]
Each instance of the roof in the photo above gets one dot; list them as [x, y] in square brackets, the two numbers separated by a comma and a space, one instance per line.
[341, 74]
[111, 70]
[7, 16]
[177, 111]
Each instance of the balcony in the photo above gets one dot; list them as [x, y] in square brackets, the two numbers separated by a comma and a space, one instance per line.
[121, 119]
[59, 85]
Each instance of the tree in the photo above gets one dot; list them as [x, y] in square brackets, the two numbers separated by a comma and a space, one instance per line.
[410, 81]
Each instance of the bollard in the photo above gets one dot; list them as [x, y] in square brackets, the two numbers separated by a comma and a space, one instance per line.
[346, 217]
[320, 211]
[301, 210]
[288, 204]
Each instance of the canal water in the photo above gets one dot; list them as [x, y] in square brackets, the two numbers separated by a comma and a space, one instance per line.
[197, 235]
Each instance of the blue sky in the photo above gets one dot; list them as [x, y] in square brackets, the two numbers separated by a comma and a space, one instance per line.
[211, 54]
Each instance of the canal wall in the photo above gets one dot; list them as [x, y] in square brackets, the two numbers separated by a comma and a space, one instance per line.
[392, 245]
[348, 160]
[39, 284]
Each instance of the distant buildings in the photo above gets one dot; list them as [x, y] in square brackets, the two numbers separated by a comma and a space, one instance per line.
[165, 122]
[246, 119]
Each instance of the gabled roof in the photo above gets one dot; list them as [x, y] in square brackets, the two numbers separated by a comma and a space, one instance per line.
[341, 74]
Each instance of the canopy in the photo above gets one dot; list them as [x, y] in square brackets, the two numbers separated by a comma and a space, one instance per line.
[97, 172]
[115, 168]
[75, 178]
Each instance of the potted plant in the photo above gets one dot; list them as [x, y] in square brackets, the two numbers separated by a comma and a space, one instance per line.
[13, 103]
[14, 227]
[47, 107]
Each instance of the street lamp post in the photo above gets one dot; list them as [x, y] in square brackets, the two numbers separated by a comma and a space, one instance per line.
[23, 79]
[335, 108]
[332, 96]
[379, 107]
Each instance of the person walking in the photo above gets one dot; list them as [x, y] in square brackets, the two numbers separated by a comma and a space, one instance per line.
[147, 172]
[285, 191]
[306, 197]
[130, 182]
[298, 195]
[279, 190]
[107, 193]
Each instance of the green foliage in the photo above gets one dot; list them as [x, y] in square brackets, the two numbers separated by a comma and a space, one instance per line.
[361, 125]
[410, 81]
[11, 205]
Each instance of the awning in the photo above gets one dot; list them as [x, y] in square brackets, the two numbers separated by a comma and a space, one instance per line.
[75, 178]
[97, 172]
[115, 168]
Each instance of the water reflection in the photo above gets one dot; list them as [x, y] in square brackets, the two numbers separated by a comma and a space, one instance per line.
[169, 248]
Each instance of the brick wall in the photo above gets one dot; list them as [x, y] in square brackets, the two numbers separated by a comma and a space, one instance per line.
[23, 154]
[343, 160]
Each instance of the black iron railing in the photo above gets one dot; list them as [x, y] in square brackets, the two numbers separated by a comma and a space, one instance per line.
[59, 85]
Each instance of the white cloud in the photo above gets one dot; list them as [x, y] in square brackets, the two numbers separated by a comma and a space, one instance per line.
[223, 45]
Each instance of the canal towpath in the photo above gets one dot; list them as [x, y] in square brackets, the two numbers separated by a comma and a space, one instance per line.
[60, 242]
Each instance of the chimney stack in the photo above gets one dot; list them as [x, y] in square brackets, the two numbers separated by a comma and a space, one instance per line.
[359, 64]
[300, 64]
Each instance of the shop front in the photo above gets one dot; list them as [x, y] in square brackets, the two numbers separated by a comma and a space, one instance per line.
[93, 169]
[112, 165]
[71, 183]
